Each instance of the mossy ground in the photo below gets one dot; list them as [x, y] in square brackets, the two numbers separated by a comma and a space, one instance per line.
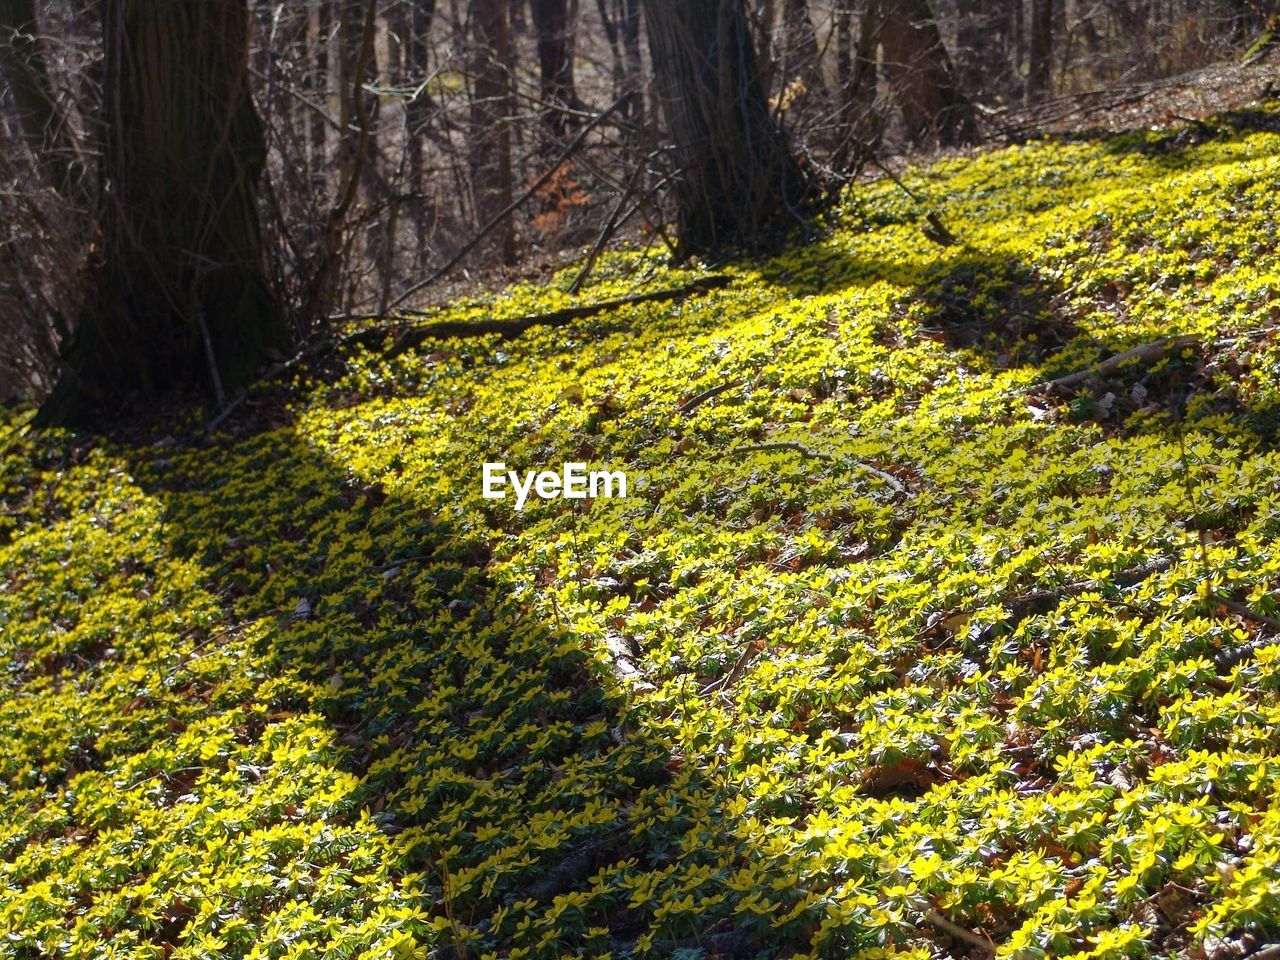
[303, 693]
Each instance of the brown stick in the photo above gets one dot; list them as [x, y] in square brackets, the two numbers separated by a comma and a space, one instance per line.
[888, 479]
[960, 933]
[1245, 611]
[1146, 353]
[693, 403]
[415, 336]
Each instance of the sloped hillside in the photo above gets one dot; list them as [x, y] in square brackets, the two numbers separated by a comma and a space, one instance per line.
[895, 648]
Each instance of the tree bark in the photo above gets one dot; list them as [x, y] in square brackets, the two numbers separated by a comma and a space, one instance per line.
[802, 52]
[491, 109]
[318, 89]
[739, 184]
[22, 63]
[357, 67]
[1040, 51]
[633, 75]
[923, 78]
[555, 22]
[844, 44]
[418, 115]
[181, 298]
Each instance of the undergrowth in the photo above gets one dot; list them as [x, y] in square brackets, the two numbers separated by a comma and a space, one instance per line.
[997, 667]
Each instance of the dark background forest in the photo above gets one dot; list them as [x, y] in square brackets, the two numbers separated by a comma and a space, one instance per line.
[345, 158]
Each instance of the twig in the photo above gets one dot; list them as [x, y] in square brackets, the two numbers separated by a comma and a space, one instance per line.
[693, 403]
[735, 672]
[513, 206]
[788, 445]
[1243, 610]
[219, 393]
[280, 369]
[1145, 353]
[960, 933]
[612, 224]
[1042, 601]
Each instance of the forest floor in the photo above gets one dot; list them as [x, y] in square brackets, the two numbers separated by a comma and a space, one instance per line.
[1170, 101]
[940, 619]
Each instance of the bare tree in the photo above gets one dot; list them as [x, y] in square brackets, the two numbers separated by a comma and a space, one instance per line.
[738, 182]
[22, 64]
[923, 78]
[1040, 50]
[556, 24]
[181, 296]
[801, 48]
[491, 110]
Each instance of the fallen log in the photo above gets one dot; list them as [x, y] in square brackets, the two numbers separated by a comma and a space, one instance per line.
[416, 336]
[1146, 353]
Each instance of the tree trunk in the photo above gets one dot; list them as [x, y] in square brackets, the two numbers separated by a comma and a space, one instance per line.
[318, 90]
[923, 78]
[556, 24]
[22, 63]
[352, 56]
[974, 51]
[844, 44]
[804, 58]
[491, 110]
[1040, 52]
[181, 299]
[633, 82]
[861, 125]
[418, 115]
[739, 183]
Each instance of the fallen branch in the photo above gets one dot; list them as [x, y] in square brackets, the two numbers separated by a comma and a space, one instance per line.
[1244, 610]
[624, 657]
[1045, 601]
[584, 860]
[888, 479]
[693, 403]
[416, 336]
[1146, 353]
[960, 933]
[1232, 657]
[449, 328]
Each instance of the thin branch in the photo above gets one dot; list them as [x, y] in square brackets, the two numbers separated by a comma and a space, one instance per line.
[1146, 353]
[610, 225]
[888, 479]
[693, 403]
[960, 933]
[512, 207]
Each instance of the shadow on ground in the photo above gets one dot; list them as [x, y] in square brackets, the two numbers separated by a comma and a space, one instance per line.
[500, 751]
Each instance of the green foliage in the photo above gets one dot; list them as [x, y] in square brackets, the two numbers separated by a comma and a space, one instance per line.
[307, 694]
